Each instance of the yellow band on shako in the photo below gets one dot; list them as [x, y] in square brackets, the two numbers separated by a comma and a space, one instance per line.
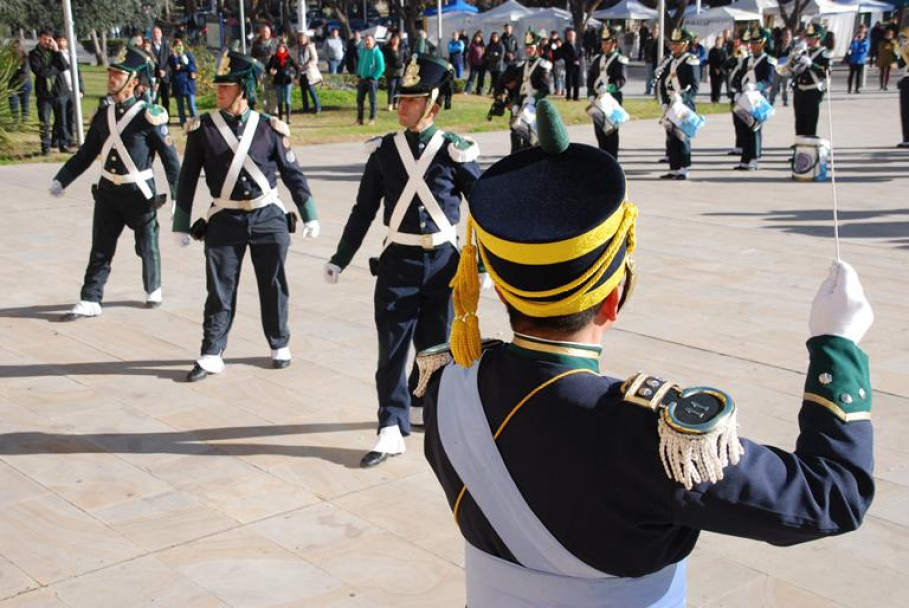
[538, 254]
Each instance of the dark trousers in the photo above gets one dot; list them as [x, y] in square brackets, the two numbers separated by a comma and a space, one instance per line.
[679, 153]
[494, 76]
[609, 143]
[856, 72]
[114, 210]
[394, 83]
[230, 233]
[572, 81]
[904, 106]
[306, 91]
[807, 106]
[164, 95]
[366, 86]
[45, 111]
[412, 305]
[716, 86]
[749, 139]
[63, 121]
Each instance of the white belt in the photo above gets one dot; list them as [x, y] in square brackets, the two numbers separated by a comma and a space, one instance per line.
[247, 205]
[812, 87]
[129, 178]
[426, 241]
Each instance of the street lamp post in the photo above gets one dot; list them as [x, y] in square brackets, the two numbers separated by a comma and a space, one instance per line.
[73, 68]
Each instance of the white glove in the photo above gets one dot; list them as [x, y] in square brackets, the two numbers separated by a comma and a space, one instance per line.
[56, 189]
[181, 239]
[750, 87]
[485, 280]
[311, 229]
[332, 273]
[840, 307]
[805, 61]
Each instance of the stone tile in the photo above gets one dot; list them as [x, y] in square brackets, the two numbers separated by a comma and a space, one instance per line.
[13, 581]
[248, 571]
[42, 598]
[164, 520]
[233, 487]
[766, 592]
[711, 577]
[49, 539]
[141, 582]
[16, 487]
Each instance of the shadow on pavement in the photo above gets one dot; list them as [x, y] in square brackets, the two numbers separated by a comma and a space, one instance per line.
[53, 312]
[193, 442]
[122, 368]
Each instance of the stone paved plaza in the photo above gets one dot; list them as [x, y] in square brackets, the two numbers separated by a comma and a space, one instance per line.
[122, 486]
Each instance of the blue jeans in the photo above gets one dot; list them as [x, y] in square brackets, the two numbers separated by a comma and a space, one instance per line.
[648, 79]
[282, 92]
[306, 91]
[394, 83]
[366, 86]
[333, 65]
[18, 102]
[185, 102]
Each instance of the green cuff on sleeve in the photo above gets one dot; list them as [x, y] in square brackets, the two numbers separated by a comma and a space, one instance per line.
[308, 210]
[838, 378]
[181, 220]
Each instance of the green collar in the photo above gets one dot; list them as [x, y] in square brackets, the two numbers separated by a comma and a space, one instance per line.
[425, 135]
[568, 354]
[128, 102]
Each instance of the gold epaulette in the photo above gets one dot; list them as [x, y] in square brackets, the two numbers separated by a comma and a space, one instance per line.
[434, 358]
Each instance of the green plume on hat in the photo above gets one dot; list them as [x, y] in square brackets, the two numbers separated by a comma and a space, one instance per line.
[550, 129]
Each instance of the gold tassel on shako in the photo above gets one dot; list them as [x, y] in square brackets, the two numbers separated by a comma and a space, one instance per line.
[466, 345]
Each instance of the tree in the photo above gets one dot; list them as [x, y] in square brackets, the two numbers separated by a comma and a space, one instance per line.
[793, 15]
[581, 11]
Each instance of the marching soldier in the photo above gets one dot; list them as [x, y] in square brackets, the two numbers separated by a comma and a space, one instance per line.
[754, 72]
[607, 74]
[421, 173]
[575, 489]
[679, 79]
[811, 83]
[242, 152]
[522, 85]
[127, 133]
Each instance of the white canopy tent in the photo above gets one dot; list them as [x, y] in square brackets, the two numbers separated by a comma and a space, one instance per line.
[710, 23]
[490, 21]
[626, 9]
[757, 6]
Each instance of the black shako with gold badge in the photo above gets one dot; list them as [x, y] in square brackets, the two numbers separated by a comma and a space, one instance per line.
[561, 479]
[421, 175]
[126, 135]
[243, 153]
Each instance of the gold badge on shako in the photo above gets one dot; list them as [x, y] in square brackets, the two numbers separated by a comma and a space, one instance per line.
[412, 73]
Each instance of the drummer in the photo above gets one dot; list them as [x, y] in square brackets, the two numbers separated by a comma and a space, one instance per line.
[754, 72]
[679, 80]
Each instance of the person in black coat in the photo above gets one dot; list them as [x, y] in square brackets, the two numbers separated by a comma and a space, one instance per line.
[716, 59]
[572, 53]
[46, 63]
[495, 60]
[160, 50]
